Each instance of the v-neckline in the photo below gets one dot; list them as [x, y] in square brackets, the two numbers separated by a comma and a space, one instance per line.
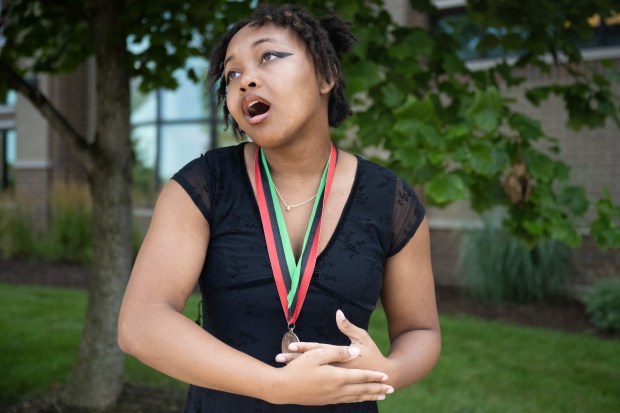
[345, 210]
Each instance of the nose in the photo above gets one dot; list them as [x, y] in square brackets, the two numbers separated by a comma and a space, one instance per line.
[246, 85]
[248, 80]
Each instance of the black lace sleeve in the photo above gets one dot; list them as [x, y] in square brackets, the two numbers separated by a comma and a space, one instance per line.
[195, 179]
[407, 216]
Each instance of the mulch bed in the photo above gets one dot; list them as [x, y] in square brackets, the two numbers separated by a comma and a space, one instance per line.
[563, 314]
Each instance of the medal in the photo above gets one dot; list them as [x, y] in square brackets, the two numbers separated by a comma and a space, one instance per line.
[292, 277]
[288, 338]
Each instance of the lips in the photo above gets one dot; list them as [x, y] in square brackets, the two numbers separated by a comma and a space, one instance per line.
[255, 108]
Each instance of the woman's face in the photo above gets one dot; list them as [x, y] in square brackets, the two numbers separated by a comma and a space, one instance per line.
[274, 91]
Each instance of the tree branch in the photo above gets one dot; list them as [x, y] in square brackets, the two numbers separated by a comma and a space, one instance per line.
[75, 140]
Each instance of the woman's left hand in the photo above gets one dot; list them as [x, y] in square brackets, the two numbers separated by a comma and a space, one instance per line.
[370, 357]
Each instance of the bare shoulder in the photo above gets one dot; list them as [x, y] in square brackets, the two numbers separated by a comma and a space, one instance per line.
[173, 251]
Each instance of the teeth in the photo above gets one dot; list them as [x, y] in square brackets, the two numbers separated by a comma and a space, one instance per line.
[251, 109]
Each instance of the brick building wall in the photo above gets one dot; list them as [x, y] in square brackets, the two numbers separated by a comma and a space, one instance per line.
[70, 94]
[43, 158]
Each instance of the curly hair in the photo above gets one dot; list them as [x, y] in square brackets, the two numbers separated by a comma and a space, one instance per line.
[326, 39]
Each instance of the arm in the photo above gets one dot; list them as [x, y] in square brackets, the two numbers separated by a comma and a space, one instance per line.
[408, 298]
[153, 329]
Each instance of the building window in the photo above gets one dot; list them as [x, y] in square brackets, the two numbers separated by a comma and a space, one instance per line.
[7, 158]
[454, 21]
[9, 99]
[170, 128]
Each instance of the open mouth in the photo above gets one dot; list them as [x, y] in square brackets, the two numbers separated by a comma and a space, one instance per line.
[255, 108]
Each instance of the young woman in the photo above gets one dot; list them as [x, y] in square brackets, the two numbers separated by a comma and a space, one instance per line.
[291, 240]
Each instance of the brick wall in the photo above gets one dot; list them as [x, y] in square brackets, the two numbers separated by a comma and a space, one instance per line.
[33, 194]
[70, 95]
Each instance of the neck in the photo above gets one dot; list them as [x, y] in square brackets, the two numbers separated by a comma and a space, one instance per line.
[306, 161]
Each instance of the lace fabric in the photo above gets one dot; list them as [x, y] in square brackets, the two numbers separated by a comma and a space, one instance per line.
[240, 302]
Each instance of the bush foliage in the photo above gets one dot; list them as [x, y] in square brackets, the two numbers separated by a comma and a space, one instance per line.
[68, 237]
[602, 300]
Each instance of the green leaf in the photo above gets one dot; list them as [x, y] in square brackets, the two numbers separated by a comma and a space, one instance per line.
[444, 189]
[362, 76]
[453, 64]
[539, 165]
[413, 108]
[392, 95]
[574, 198]
[564, 232]
[528, 128]
[430, 136]
[406, 127]
[480, 159]
[605, 229]
[414, 158]
[415, 43]
[486, 110]
[346, 9]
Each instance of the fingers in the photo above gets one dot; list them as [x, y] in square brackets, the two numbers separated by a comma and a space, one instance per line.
[334, 354]
[356, 335]
[297, 349]
[362, 386]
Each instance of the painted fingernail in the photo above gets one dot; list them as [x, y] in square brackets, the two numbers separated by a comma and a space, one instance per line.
[384, 378]
[354, 351]
[340, 315]
[381, 397]
[292, 347]
[280, 358]
[390, 390]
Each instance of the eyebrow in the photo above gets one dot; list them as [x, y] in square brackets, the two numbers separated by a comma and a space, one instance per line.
[256, 43]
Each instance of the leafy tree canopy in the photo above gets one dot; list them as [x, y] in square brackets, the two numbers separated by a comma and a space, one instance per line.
[449, 129]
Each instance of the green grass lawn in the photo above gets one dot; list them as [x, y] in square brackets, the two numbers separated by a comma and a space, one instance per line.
[484, 367]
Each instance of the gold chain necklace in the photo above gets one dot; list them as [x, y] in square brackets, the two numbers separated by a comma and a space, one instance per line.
[288, 207]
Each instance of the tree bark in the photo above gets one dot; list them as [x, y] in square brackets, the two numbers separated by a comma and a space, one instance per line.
[97, 377]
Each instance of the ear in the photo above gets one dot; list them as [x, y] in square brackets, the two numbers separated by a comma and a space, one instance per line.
[326, 86]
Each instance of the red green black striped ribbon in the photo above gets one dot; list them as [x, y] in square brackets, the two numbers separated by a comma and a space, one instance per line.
[292, 276]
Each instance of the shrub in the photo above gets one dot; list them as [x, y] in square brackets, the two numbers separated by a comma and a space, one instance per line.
[602, 300]
[68, 237]
[16, 237]
[497, 267]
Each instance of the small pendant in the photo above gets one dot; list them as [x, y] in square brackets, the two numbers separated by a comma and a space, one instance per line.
[288, 338]
[288, 208]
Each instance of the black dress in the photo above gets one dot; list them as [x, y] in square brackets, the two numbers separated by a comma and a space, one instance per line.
[240, 302]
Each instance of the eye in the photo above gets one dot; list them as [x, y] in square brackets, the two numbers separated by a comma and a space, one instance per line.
[233, 74]
[269, 56]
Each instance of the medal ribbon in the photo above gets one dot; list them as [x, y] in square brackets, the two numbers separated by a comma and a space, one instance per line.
[292, 278]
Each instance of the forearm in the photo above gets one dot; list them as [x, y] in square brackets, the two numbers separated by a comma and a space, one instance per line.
[412, 356]
[171, 343]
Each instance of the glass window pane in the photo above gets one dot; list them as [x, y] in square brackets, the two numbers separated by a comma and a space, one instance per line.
[7, 158]
[181, 144]
[9, 99]
[189, 100]
[145, 145]
[143, 106]
[11, 146]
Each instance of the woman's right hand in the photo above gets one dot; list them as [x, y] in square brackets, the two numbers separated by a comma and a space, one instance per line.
[310, 379]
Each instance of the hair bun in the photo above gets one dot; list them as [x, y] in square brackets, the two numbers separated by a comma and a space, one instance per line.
[339, 33]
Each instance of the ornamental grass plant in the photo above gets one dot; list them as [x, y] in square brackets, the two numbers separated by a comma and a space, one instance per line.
[68, 237]
[497, 267]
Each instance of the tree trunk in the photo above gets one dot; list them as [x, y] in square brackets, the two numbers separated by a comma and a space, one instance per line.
[97, 377]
